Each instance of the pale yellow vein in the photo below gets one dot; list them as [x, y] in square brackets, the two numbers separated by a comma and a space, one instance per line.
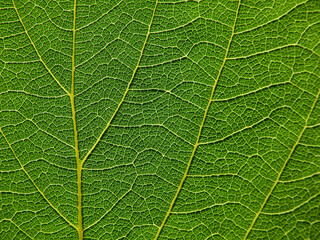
[282, 169]
[35, 48]
[127, 89]
[33, 182]
[10, 220]
[200, 129]
[96, 20]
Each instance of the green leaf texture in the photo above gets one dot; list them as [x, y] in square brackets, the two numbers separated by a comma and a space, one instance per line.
[160, 119]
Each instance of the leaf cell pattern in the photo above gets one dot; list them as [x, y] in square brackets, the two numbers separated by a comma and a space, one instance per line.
[160, 119]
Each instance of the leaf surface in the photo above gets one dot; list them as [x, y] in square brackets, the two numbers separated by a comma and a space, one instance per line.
[162, 119]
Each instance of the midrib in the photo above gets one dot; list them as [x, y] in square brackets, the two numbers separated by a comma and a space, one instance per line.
[75, 131]
[200, 128]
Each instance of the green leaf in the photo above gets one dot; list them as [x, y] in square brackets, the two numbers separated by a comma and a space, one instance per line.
[169, 119]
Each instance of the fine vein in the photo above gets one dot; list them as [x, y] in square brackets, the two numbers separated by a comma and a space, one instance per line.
[33, 182]
[34, 46]
[128, 87]
[200, 129]
[282, 169]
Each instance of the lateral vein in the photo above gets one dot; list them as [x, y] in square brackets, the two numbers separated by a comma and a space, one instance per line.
[36, 186]
[282, 168]
[35, 48]
[127, 89]
[200, 129]
[10, 220]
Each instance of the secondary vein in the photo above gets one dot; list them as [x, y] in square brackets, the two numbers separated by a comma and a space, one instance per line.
[282, 168]
[33, 182]
[34, 46]
[127, 89]
[200, 128]
[10, 220]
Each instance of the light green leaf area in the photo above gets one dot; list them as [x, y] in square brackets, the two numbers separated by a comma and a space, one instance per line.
[160, 119]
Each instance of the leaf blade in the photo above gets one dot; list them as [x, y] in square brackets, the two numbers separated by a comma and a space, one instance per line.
[141, 76]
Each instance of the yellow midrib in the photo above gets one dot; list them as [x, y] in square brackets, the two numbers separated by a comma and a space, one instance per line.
[75, 131]
[200, 128]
